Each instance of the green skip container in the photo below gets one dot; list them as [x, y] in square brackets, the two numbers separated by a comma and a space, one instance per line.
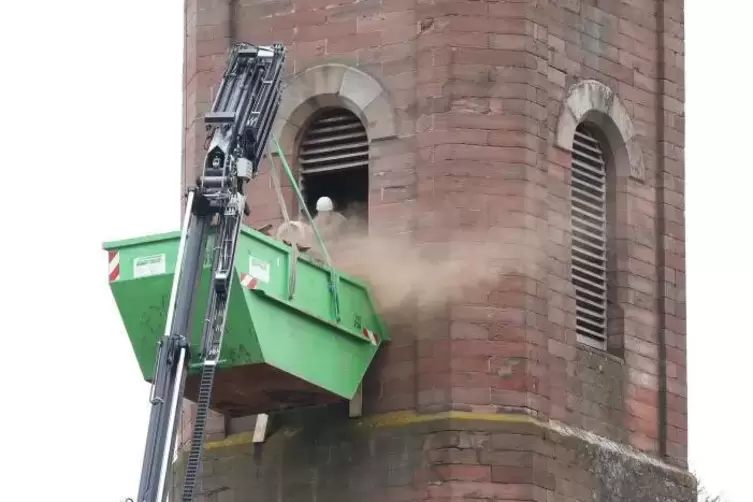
[283, 346]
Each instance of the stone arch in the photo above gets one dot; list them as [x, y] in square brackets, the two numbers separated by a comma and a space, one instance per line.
[335, 85]
[591, 101]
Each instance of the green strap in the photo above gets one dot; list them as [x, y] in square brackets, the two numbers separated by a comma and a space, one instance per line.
[334, 279]
[293, 258]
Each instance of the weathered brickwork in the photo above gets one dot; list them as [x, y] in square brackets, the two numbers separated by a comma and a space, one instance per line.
[470, 123]
[400, 459]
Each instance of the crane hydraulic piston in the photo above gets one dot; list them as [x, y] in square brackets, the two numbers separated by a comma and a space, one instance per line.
[238, 126]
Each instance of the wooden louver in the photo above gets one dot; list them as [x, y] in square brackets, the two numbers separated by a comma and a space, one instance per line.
[335, 140]
[588, 219]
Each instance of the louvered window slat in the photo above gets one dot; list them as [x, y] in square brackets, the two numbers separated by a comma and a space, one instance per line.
[589, 238]
[582, 176]
[335, 140]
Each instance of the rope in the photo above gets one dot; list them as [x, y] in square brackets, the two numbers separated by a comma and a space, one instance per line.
[278, 187]
[287, 224]
[334, 280]
[302, 202]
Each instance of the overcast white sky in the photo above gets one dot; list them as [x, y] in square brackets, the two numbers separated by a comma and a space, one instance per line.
[91, 97]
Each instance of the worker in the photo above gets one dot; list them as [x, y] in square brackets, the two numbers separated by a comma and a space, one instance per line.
[330, 223]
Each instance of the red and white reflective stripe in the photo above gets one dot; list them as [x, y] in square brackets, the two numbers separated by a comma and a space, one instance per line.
[371, 336]
[114, 268]
[247, 281]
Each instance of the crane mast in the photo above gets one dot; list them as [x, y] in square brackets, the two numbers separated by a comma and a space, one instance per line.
[238, 126]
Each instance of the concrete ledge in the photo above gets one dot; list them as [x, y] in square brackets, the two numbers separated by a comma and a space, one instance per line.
[455, 455]
[472, 421]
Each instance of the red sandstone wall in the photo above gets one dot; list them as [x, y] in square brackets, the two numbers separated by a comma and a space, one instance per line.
[478, 86]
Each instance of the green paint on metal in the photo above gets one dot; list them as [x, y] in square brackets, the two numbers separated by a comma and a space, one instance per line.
[150, 239]
[300, 336]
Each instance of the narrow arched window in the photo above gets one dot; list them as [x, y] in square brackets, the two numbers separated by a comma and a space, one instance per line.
[588, 219]
[333, 161]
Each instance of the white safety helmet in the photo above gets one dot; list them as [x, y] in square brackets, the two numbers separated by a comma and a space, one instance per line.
[324, 204]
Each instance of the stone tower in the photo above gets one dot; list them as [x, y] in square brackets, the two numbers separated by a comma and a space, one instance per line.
[559, 124]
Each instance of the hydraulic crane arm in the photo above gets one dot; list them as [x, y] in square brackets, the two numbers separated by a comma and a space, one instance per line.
[238, 126]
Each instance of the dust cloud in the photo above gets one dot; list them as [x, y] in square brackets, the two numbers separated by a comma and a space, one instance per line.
[402, 272]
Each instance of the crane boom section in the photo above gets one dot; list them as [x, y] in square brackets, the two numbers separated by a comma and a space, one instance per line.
[238, 126]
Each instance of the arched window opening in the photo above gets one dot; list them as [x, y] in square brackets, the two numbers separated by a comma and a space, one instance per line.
[588, 219]
[333, 161]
